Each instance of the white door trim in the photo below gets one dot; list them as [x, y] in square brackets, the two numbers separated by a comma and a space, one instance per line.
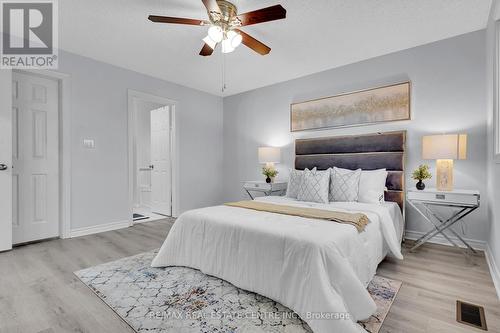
[64, 145]
[134, 94]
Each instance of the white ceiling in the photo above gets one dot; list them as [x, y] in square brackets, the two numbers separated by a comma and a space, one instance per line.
[316, 35]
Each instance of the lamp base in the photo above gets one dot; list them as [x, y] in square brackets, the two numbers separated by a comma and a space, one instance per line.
[444, 175]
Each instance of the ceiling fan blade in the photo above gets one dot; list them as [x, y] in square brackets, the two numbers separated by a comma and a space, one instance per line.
[176, 20]
[272, 13]
[254, 44]
[206, 50]
[211, 5]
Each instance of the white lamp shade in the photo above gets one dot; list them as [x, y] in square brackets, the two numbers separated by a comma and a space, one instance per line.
[235, 38]
[216, 33]
[226, 46]
[446, 146]
[269, 155]
[210, 42]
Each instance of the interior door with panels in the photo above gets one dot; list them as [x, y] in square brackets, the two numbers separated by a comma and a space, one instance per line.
[35, 158]
[5, 160]
[161, 195]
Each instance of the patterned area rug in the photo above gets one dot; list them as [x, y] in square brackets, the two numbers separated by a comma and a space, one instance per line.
[179, 299]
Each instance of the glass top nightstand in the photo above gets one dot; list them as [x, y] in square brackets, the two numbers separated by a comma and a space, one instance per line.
[460, 203]
[276, 188]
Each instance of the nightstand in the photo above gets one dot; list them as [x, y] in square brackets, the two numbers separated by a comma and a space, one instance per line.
[276, 188]
[459, 203]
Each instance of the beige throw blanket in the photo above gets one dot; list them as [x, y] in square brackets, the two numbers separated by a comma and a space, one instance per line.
[358, 220]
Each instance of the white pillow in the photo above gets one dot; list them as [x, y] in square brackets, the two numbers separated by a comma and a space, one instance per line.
[314, 186]
[294, 183]
[372, 186]
[344, 184]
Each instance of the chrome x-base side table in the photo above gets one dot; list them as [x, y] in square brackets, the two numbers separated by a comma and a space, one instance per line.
[460, 202]
[276, 188]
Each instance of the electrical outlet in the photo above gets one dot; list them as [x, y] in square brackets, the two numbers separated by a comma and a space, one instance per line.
[89, 143]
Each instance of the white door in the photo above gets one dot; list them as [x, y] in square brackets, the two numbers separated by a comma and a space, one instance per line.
[5, 159]
[161, 194]
[35, 158]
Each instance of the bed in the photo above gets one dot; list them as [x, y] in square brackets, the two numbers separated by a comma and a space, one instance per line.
[319, 269]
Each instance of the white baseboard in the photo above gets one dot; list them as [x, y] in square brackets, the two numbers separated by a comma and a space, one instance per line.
[494, 271]
[439, 239]
[99, 228]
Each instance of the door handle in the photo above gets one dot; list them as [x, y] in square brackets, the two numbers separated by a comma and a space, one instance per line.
[3, 167]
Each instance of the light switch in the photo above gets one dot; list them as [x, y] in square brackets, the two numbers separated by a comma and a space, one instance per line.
[89, 143]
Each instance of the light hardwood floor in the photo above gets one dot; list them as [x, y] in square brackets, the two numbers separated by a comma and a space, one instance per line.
[434, 278]
[39, 293]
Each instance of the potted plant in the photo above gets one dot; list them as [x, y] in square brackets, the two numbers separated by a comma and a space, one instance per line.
[421, 173]
[270, 172]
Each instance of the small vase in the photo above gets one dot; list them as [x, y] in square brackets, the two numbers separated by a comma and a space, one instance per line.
[420, 185]
[268, 180]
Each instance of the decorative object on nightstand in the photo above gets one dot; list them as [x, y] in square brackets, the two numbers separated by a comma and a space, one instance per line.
[444, 149]
[421, 173]
[277, 188]
[269, 156]
[270, 173]
[460, 203]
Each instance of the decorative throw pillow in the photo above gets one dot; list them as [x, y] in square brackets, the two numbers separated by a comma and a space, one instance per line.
[294, 183]
[344, 184]
[314, 186]
[372, 186]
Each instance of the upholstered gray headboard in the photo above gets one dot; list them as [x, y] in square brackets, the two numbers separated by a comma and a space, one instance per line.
[368, 152]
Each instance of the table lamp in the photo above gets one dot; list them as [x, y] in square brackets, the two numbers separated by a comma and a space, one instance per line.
[444, 149]
[269, 156]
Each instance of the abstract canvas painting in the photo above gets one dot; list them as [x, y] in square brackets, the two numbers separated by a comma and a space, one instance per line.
[388, 103]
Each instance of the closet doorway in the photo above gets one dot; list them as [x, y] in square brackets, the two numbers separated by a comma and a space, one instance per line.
[152, 156]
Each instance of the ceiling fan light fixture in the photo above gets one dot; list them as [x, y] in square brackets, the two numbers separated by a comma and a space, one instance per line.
[209, 41]
[216, 33]
[235, 38]
[226, 46]
[224, 23]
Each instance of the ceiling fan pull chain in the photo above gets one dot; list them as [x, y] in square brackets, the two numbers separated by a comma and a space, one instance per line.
[223, 72]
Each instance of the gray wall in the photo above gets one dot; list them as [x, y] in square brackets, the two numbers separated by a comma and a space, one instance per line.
[493, 163]
[99, 110]
[448, 95]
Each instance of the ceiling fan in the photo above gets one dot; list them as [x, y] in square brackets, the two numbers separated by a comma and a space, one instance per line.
[224, 22]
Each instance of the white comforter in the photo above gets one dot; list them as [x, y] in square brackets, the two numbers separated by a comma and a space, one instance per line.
[316, 268]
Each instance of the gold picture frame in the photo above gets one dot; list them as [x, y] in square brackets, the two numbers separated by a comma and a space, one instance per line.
[363, 107]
